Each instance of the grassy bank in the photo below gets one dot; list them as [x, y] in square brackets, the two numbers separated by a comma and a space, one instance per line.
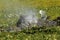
[10, 12]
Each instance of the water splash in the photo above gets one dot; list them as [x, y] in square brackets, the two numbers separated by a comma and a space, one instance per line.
[28, 18]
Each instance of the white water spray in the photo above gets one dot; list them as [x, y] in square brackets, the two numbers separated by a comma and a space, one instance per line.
[43, 14]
